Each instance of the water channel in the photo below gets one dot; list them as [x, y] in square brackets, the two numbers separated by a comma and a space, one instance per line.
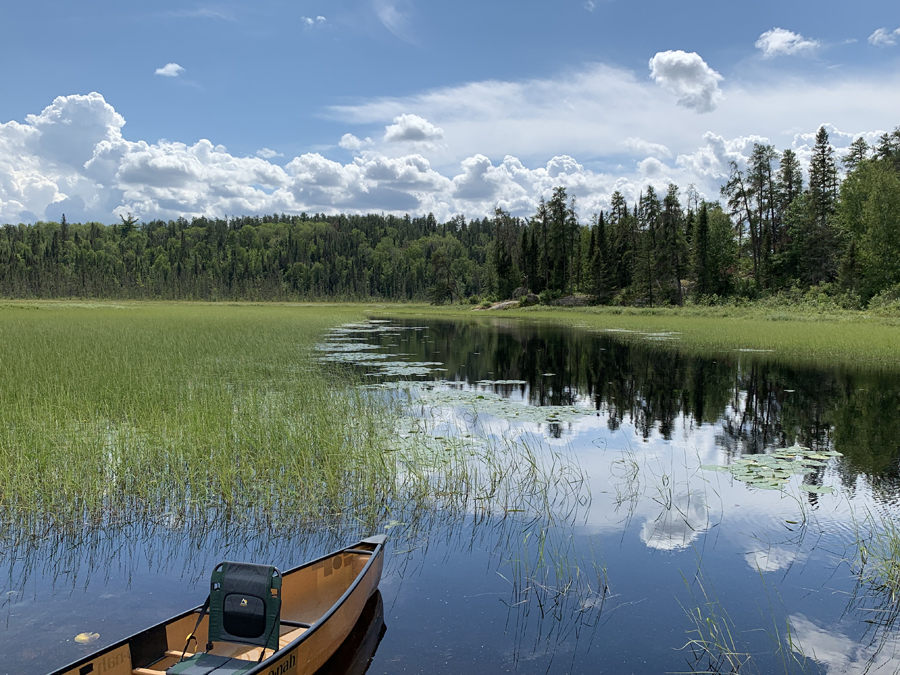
[703, 514]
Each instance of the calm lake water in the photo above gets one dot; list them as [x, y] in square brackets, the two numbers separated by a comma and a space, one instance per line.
[703, 515]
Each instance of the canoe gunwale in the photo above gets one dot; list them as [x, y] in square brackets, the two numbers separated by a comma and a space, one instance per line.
[378, 541]
[289, 647]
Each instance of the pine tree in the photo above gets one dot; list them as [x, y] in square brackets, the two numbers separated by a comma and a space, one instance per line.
[504, 269]
[601, 277]
[823, 180]
[859, 151]
[701, 262]
[669, 248]
[762, 177]
[648, 215]
[888, 149]
[622, 237]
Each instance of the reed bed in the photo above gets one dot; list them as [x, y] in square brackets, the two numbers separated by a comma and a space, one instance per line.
[191, 415]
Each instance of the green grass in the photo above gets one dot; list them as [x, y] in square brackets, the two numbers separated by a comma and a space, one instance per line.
[876, 566]
[190, 414]
[781, 333]
[111, 412]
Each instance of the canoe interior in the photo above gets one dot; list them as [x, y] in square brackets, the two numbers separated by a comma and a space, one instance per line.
[309, 594]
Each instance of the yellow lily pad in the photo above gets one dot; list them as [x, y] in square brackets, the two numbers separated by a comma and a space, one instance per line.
[85, 638]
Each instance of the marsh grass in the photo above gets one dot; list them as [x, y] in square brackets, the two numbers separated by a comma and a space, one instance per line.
[878, 562]
[194, 415]
[558, 590]
[111, 415]
[876, 567]
[717, 644]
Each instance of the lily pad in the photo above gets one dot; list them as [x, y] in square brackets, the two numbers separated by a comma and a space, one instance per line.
[818, 489]
[87, 638]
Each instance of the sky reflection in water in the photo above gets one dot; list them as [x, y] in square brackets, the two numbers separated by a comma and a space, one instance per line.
[608, 585]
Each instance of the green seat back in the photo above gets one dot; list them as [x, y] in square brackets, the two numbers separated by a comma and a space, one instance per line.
[245, 604]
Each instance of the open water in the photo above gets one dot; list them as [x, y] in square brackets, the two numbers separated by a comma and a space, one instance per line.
[704, 516]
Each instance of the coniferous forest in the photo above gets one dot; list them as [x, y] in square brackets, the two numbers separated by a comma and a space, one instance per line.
[837, 231]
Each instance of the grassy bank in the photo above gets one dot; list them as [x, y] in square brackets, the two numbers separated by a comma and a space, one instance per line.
[802, 336]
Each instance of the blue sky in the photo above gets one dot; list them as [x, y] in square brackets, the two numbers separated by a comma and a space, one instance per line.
[171, 109]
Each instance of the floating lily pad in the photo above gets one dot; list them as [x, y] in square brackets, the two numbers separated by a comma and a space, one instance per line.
[86, 638]
[714, 467]
[818, 489]
[773, 471]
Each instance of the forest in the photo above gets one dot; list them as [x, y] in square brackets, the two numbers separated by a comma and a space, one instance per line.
[837, 232]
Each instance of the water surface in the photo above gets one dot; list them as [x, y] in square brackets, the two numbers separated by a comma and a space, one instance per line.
[648, 549]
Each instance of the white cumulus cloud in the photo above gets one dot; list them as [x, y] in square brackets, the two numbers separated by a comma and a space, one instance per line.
[169, 70]
[781, 42]
[688, 77]
[351, 142]
[640, 146]
[73, 158]
[884, 37]
[412, 129]
[310, 21]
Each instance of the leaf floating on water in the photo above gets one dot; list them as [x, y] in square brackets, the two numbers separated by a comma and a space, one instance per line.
[773, 471]
[86, 638]
[818, 489]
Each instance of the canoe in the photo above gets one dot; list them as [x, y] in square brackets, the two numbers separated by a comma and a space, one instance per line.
[355, 654]
[321, 603]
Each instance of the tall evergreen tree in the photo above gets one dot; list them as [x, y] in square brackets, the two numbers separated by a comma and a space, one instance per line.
[601, 267]
[649, 210]
[670, 246]
[859, 150]
[823, 180]
[701, 258]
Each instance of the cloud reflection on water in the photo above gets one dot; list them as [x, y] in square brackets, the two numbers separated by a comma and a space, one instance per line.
[840, 653]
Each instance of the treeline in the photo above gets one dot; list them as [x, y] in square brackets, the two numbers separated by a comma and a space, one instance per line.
[771, 232]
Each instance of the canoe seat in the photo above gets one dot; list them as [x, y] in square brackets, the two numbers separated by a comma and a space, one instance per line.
[204, 664]
[244, 608]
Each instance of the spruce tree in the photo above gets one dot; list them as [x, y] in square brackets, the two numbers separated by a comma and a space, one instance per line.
[701, 262]
[602, 287]
[859, 151]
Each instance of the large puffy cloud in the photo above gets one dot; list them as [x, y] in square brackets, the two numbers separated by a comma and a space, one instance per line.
[712, 161]
[639, 145]
[688, 77]
[73, 158]
[781, 42]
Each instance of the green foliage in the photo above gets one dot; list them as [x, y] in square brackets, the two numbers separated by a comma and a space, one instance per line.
[869, 213]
